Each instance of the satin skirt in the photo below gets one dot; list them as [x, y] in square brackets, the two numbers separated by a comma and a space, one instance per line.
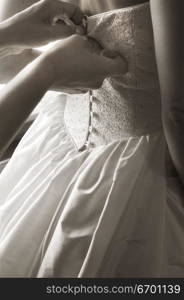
[103, 212]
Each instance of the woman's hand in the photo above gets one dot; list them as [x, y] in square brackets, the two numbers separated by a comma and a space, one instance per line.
[76, 62]
[37, 25]
[81, 64]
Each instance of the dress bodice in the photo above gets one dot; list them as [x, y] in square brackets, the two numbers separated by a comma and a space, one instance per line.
[127, 105]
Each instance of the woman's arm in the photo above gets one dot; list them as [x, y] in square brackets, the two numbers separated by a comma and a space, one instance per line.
[19, 98]
[168, 26]
[25, 24]
[12, 64]
[78, 60]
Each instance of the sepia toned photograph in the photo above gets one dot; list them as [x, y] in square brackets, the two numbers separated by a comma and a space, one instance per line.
[91, 139]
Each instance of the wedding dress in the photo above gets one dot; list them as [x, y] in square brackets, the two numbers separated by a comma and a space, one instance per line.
[85, 192]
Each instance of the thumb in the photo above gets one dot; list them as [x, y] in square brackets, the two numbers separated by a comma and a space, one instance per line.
[70, 10]
[116, 65]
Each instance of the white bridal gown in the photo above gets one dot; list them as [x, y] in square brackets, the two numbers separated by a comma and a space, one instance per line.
[84, 194]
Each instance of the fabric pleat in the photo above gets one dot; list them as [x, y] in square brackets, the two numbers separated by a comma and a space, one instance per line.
[102, 212]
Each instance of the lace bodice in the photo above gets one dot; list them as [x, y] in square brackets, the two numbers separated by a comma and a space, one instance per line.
[126, 105]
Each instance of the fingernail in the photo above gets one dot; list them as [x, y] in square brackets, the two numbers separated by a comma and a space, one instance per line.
[109, 53]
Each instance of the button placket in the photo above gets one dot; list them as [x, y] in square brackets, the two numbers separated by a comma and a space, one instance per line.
[88, 143]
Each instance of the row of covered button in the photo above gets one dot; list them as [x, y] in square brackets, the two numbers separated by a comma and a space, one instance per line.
[88, 144]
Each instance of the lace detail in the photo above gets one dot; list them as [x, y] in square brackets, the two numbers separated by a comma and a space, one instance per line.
[77, 116]
[126, 105]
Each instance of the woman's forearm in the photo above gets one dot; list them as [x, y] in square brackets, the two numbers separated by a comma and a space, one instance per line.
[11, 65]
[6, 40]
[19, 98]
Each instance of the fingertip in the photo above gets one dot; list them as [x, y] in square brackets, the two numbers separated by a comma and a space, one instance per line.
[80, 30]
[109, 53]
[117, 65]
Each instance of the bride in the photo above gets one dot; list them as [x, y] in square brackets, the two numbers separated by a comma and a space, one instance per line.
[85, 193]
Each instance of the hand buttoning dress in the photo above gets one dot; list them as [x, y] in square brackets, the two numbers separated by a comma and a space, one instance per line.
[84, 194]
